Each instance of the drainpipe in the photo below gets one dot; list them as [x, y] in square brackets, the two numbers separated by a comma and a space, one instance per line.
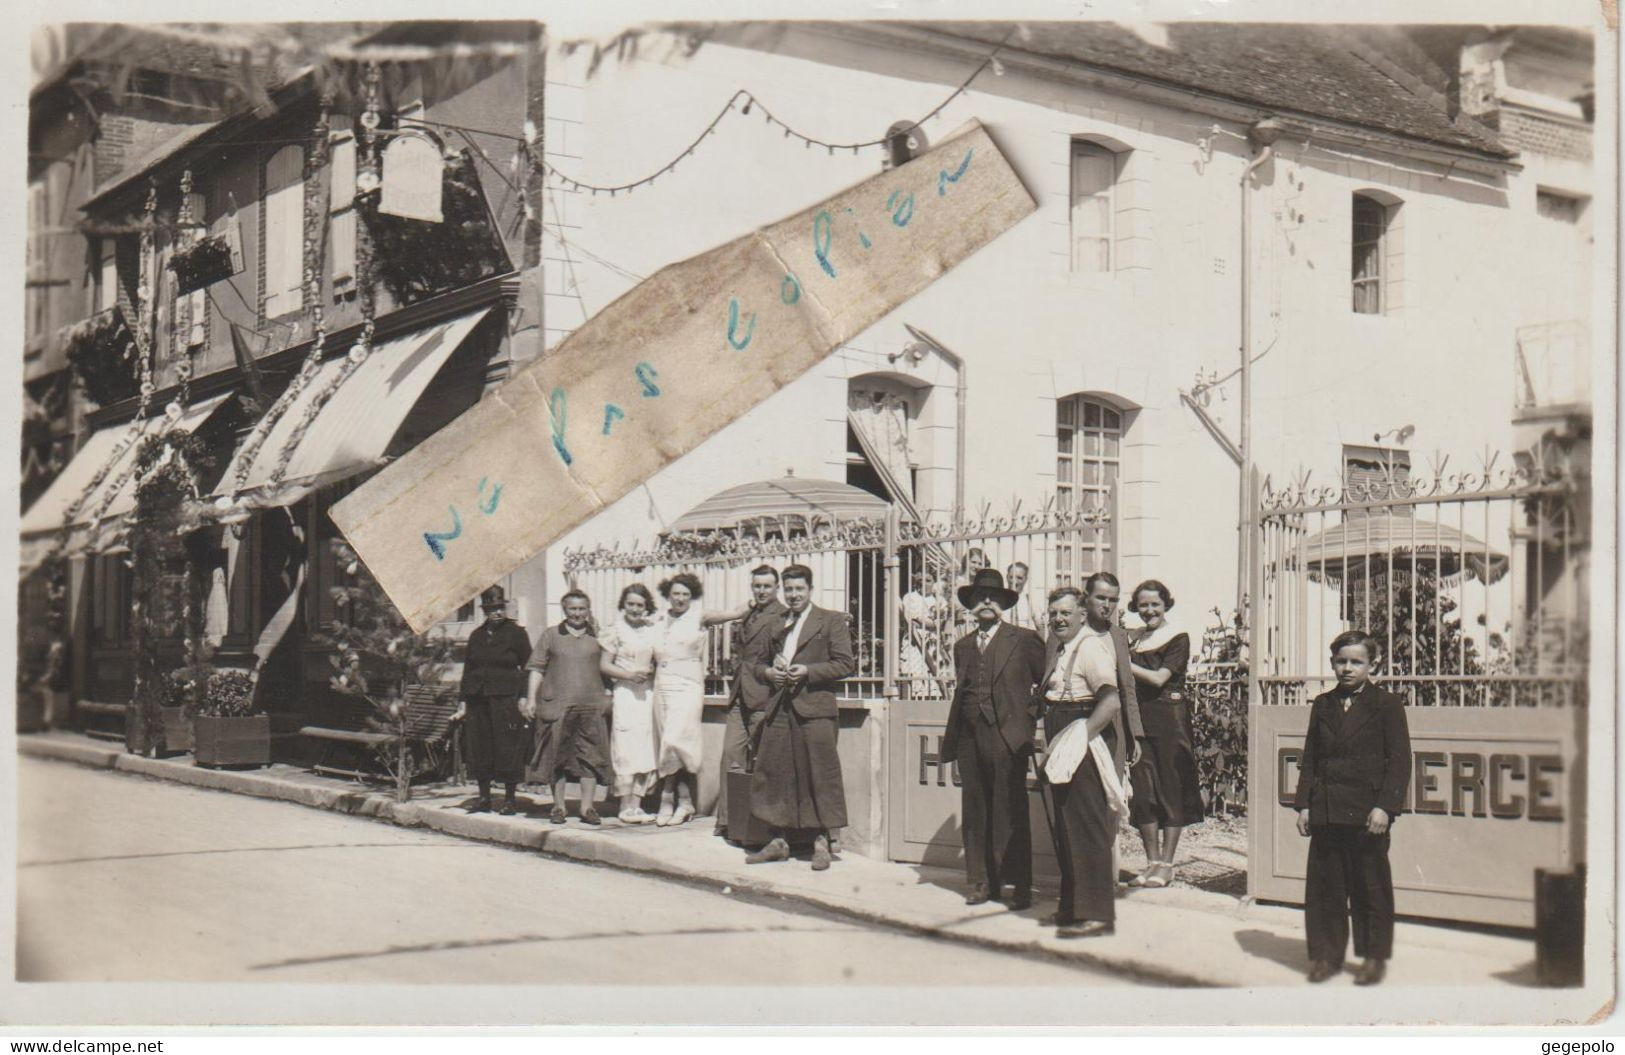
[1262, 135]
[960, 389]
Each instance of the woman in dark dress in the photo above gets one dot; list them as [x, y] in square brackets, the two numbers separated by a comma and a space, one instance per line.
[495, 736]
[1167, 797]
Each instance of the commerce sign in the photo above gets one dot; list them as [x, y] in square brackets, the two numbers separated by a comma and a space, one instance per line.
[1490, 801]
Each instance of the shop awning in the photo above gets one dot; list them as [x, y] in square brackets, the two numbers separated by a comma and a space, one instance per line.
[352, 431]
[1374, 544]
[787, 504]
[47, 514]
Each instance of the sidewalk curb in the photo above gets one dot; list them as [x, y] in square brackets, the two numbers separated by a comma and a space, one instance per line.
[572, 844]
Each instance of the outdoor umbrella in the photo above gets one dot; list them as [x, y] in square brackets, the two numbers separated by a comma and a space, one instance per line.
[1372, 544]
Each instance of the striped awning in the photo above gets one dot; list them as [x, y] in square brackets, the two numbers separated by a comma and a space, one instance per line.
[351, 432]
[1371, 544]
[790, 504]
[48, 513]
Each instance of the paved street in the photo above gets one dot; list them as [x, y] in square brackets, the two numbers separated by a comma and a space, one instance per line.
[124, 879]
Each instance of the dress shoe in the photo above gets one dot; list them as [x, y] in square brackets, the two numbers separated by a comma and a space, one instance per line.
[507, 808]
[1321, 970]
[1371, 971]
[777, 850]
[1089, 928]
[1056, 919]
[482, 806]
[1019, 902]
[590, 816]
[558, 815]
[978, 895]
[820, 856]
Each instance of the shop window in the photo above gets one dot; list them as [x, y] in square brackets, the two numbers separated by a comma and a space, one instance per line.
[1094, 180]
[284, 232]
[1088, 453]
[1370, 237]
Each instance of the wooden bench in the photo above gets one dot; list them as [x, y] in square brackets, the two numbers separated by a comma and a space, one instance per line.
[90, 709]
[351, 742]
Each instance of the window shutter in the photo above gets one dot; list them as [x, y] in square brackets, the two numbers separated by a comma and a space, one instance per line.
[284, 232]
[341, 203]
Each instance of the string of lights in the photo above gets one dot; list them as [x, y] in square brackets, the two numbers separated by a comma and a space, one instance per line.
[743, 102]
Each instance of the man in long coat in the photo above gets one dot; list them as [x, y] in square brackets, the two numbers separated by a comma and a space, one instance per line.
[495, 744]
[990, 734]
[796, 789]
[753, 642]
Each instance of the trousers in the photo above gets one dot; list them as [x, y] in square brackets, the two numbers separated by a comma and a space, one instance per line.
[1085, 830]
[997, 827]
[736, 735]
[1349, 881]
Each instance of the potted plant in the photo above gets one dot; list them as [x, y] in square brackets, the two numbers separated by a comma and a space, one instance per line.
[103, 354]
[203, 263]
[228, 729]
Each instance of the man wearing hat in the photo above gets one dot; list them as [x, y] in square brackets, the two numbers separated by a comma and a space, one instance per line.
[997, 667]
[494, 742]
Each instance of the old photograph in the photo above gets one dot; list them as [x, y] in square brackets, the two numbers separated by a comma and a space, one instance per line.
[909, 502]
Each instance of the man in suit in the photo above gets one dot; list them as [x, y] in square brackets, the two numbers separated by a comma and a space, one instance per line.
[990, 734]
[1355, 768]
[796, 789]
[747, 703]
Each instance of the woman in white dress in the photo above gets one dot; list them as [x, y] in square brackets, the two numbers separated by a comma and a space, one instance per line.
[628, 661]
[923, 611]
[679, 695]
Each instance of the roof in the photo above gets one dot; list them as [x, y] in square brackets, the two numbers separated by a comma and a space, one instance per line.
[1357, 75]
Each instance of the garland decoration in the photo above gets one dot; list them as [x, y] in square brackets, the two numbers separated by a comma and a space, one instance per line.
[102, 352]
[416, 259]
[314, 257]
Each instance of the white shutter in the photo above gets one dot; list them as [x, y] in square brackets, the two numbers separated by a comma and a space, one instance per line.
[284, 232]
[341, 202]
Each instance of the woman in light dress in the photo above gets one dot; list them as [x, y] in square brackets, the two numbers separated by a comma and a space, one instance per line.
[628, 660]
[921, 658]
[679, 693]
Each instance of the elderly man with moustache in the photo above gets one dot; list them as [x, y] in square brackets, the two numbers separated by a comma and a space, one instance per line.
[1081, 683]
[990, 734]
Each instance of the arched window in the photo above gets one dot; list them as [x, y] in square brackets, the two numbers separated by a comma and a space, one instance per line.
[1088, 451]
[1373, 254]
[1094, 183]
[284, 231]
[905, 141]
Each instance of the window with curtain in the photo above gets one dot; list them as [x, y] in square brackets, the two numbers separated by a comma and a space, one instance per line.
[1088, 452]
[341, 210]
[1094, 176]
[1370, 227]
[284, 231]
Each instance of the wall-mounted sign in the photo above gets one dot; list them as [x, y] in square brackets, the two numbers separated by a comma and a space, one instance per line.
[414, 174]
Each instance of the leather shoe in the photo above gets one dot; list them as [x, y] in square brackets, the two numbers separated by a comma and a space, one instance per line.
[507, 808]
[1089, 928]
[1056, 919]
[590, 816]
[979, 895]
[558, 815]
[482, 806]
[776, 850]
[1019, 902]
[1321, 970]
[1371, 971]
[820, 855]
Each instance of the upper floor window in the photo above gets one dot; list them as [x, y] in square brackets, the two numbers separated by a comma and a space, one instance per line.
[284, 232]
[1370, 235]
[1094, 180]
[106, 274]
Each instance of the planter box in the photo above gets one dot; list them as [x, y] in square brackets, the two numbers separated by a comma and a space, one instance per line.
[244, 741]
[175, 735]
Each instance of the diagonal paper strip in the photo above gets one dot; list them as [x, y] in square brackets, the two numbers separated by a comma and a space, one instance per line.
[675, 359]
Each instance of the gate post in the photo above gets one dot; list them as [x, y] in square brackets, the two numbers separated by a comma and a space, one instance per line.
[890, 598]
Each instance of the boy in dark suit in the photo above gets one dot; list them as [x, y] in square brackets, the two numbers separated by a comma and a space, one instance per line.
[1352, 780]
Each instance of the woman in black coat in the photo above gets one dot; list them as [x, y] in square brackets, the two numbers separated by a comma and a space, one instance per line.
[495, 740]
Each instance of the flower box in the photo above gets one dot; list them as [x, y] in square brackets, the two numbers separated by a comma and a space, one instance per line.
[231, 741]
[203, 263]
[102, 351]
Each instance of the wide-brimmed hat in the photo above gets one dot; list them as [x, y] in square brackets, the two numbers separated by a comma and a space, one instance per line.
[495, 597]
[988, 581]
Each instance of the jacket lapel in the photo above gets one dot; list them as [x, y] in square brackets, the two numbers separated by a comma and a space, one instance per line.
[809, 630]
[999, 649]
[1361, 710]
